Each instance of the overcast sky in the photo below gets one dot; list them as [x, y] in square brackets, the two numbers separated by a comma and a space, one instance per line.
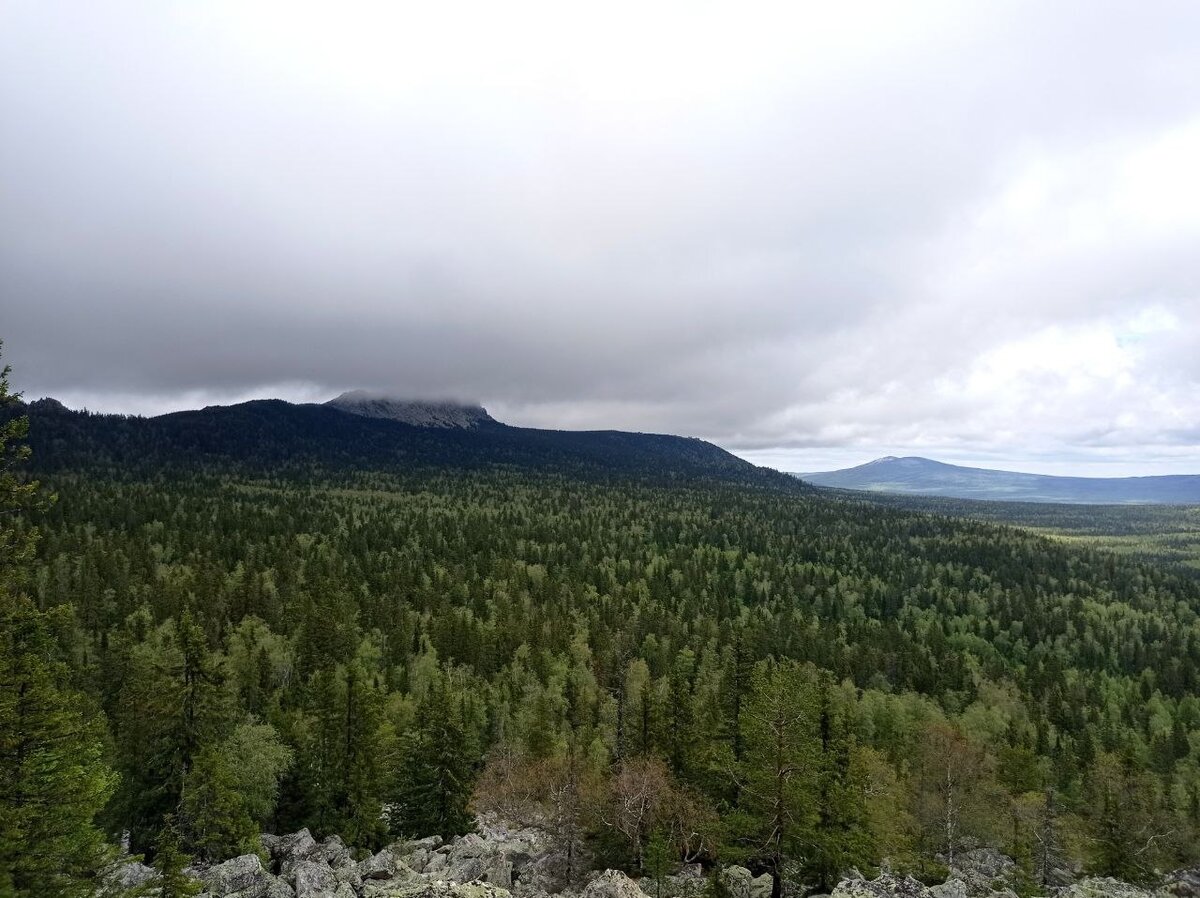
[813, 233]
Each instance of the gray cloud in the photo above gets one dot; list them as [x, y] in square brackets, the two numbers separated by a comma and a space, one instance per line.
[809, 234]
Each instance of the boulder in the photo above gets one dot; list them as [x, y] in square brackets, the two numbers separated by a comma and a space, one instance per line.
[885, 886]
[611, 884]
[382, 865]
[298, 845]
[333, 851]
[741, 883]
[546, 874]
[243, 877]
[312, 879]
[982, 871]
[1182, 883]
[441, 889]
[951, 888]
[1103, 887]
[499, 872]
[132, 874]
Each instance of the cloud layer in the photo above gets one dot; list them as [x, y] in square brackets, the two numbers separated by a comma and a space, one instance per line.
[813, 233]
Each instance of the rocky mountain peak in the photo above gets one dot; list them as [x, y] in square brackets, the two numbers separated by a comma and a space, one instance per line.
[417, 412]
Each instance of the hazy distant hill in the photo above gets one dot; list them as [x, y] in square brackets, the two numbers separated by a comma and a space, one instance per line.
[925, 477]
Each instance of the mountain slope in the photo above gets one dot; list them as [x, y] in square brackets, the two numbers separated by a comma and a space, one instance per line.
[273, 436]
[922, 476]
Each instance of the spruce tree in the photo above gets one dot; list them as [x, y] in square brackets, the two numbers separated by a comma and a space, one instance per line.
[53, 780]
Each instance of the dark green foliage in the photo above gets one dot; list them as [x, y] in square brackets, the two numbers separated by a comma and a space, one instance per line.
[170, 861]
[53, 779]
[438, 768]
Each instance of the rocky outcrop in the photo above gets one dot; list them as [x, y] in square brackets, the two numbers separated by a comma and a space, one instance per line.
[503, 862]
[611, 884]
[1103, 887]
[244, 877]
[417, 412]
[982, 872]
[886, 886]
[1182, 883]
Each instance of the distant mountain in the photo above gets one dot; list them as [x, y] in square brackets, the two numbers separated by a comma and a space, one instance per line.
[270, 437]
[925, 477]
[419, 413]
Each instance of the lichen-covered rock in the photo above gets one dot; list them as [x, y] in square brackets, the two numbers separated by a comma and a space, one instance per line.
[333, 852]
[132, 874]
[294, 847]
[499, 872]
[741, 883]
[611, 884]
[885, 886]
[243, 877]
[1182, 883]
[951, 888]
[983, 871]
[1103, 887]
[441, 889]
[541, 875]
[313, 879]
[381, 865]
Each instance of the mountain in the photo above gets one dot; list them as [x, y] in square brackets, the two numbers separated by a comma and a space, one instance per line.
[924, 477]
[419, 413]
[270, 436]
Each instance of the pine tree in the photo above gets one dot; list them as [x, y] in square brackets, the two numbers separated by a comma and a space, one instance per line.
[777, 811]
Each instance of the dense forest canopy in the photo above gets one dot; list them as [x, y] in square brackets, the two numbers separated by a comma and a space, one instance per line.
[274, 636]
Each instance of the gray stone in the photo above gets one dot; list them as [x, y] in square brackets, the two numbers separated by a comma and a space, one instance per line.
[886, 886]
[312, 879]
[298, 845]
[1182, 883]
[951, 888]
[132, 874]
[333, 851]
[242, 876]
[611, 884]
[741, 883]
[1103, 887]
[499, 872]
[982, 871]
[382, 865]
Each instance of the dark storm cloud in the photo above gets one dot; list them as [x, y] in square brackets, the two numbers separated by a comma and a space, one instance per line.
[938, 228]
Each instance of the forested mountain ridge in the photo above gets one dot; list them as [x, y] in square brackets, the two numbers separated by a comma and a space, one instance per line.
[288, 616]
[925, 477]
[271, 435]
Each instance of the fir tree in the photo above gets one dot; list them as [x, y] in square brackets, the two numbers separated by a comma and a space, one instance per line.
[52, 777]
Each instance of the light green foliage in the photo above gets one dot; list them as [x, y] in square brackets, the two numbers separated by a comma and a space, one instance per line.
[230, 792]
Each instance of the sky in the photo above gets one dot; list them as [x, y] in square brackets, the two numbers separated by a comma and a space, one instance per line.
[814, 233]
